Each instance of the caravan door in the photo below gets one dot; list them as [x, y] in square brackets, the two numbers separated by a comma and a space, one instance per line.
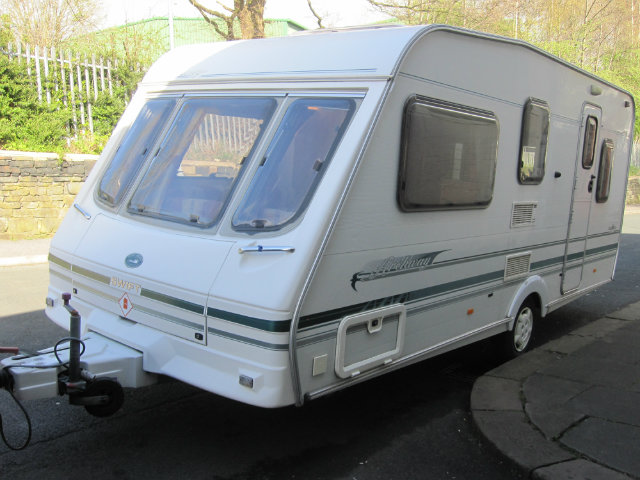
[582, 199]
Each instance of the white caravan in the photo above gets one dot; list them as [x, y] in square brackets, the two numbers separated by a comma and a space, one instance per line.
[273, 220]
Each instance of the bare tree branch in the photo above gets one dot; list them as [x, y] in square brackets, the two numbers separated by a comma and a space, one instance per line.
[248, 13]
[318, 17]
[50, 22]
[208, 13]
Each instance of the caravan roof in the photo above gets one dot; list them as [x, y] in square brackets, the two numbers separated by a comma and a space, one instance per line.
[361, 53]
[355, 53]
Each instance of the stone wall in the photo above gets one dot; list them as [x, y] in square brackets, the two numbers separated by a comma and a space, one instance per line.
[36, 190]
[633, 191]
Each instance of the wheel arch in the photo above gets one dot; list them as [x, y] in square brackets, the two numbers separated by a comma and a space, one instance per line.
[533, 287]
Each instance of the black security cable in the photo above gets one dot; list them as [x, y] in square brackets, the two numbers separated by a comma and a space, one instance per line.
[27, 418]
[4, 374]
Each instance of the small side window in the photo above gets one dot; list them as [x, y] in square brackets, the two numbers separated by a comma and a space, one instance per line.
[448, 156]
[533, 142]
[604, 172]
[589, 147]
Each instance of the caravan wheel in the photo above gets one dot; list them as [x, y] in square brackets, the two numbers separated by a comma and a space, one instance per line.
[518, 340]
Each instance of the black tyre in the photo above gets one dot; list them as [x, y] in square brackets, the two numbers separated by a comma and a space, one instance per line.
[109, 388]
[518, 340]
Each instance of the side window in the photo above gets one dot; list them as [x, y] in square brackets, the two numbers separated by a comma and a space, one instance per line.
[448, 156]
[604, 172]
[533, 142]
[589, 147]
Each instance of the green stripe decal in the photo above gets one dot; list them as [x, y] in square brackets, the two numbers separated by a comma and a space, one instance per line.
[605, 248]
[317, 319]
[173, 301]
[276, 326]
[59, 261]
[169, 318]
[92, 275]
[551, 262]
[160, 297]
[574, 256]
[455, 285]
[413, 296]
[249, 341]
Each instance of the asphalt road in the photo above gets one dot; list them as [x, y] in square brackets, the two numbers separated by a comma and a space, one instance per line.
[414, 423]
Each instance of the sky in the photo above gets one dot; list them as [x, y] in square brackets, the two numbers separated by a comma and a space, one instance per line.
[335, 13]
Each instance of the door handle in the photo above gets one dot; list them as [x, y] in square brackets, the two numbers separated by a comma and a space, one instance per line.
[590, 188]
[260, 249]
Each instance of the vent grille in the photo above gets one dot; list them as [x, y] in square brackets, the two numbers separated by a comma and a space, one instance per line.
[523, 214]
[517, 265]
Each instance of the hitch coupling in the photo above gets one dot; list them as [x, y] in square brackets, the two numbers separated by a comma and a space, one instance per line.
[59, 371]
[101, 397]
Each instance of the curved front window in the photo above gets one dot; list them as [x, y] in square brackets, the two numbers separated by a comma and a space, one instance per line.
[135, 147]
[294, 163]
[191, 178]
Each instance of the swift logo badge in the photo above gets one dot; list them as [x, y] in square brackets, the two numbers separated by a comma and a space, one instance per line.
[133, 260]
[125, 285]
[393, 266]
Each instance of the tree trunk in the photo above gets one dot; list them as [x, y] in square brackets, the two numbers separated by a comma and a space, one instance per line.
[251, 16]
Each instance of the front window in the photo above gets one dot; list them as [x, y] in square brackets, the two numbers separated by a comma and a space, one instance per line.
[134, 148]
[191, 178]
[294, 163]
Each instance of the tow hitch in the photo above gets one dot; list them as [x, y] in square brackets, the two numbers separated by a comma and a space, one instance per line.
[101, 397]
[95, 383]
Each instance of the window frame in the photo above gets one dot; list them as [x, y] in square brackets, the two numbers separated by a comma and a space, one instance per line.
[533, 103]
[166, 139]
[606, 152]
[462, 110]
[156, 138]
[354, 103]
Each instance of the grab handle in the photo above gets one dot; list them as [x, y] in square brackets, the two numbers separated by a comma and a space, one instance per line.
[262, 248]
